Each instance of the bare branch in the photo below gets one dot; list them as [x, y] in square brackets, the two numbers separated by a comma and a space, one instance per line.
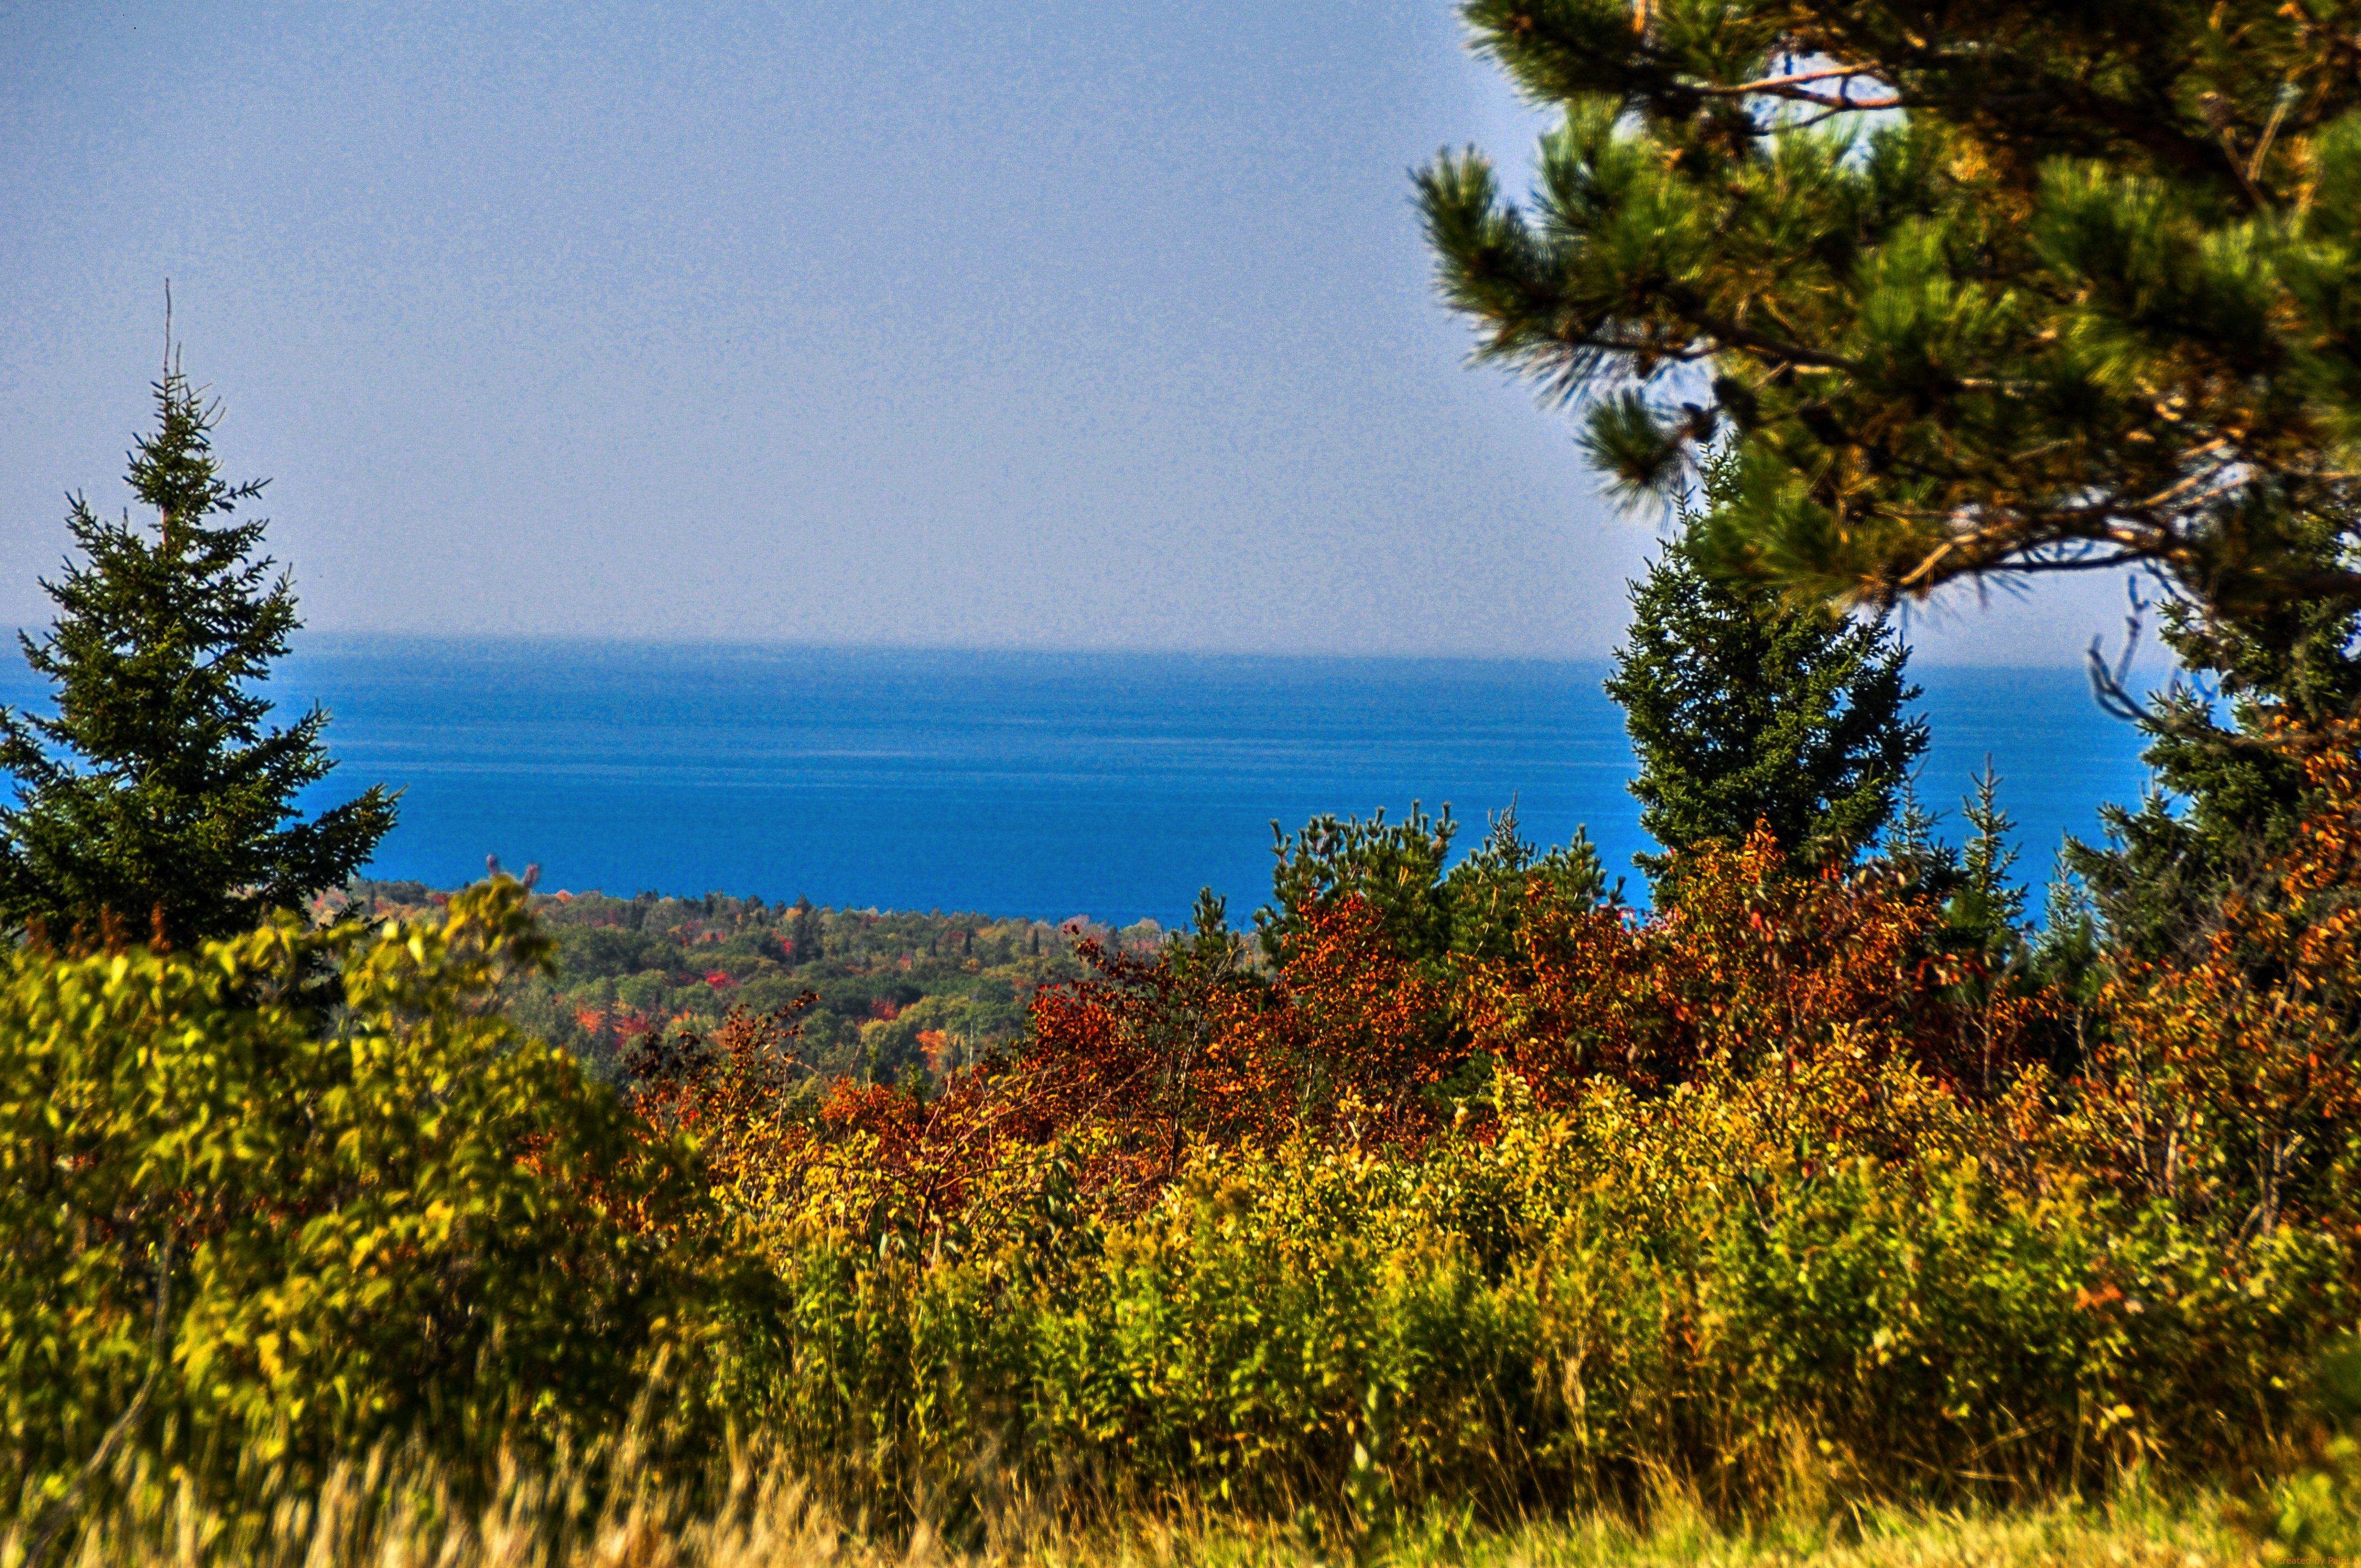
[1797, 79]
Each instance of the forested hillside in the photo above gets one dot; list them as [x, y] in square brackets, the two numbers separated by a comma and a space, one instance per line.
[885, 996]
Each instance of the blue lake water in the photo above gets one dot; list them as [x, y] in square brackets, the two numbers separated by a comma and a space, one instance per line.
[1045, 785]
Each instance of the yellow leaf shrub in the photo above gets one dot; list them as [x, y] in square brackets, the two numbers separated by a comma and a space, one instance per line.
[307, 1190]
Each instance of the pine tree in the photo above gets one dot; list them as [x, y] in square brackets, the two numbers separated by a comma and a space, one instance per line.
[2222, 801]
[1396, 866]
[2023, 288]
[1743, 709]
[1987, 909]
[155, 800]
[1486, 891]
[1429, 913]
[804, 932]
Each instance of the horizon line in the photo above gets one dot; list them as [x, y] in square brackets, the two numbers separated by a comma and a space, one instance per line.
[624, 641]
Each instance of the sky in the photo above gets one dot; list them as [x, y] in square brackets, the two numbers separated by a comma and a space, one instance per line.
[1010, 323]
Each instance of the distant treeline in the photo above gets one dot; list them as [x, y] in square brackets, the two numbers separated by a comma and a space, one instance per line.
[899, 994]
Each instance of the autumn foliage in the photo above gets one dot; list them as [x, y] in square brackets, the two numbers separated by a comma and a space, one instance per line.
[1754, 957]
[1348, 1037]
[1351, 1042]
[1597, 1197]
[2224, 1086]
[1603, 1195]
[2226, 1083]
[1593, 1195]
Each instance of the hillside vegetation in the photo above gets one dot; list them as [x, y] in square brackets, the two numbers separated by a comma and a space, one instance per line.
[882, 994]
[1824, 1208]
[1764, 1197]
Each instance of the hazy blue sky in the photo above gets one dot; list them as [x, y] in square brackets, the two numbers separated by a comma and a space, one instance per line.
[1051, 324]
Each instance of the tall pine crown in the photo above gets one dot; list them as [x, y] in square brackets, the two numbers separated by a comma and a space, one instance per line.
[157, 797]
[1745, 708]
[2015, 288]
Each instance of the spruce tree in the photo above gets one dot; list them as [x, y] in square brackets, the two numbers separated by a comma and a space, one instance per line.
[1744, 708]
[2223, 800]
[155, 800]
[1984, 907]
[1988, 908]
[2022, 288]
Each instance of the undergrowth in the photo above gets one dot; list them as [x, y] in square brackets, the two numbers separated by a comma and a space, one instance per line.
[1777, 1209]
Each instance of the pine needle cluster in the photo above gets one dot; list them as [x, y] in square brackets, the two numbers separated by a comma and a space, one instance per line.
[2016, 288]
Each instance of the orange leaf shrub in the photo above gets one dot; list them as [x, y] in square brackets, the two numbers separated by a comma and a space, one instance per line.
[1753, 957]
[2225, 1084]
[1347, 1038]
[1355, 1042]
[737, 1093]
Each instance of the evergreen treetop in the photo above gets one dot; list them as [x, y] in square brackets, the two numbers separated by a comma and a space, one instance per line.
[1743, 709]
[1471, 910]
[2026, 288]
[156, 798]
[804, 932]
[1988, 905]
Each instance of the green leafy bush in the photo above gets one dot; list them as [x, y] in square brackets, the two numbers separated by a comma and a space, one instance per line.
[1730, 1285]
[299, 1190]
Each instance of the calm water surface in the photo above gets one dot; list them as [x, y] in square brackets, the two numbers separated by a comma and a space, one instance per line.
[1044, 785]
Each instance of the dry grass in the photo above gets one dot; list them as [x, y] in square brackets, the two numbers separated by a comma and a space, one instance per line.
[384, 1514]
